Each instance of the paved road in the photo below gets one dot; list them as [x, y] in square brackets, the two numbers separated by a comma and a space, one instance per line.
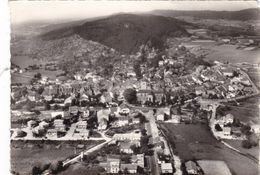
[104, 137]
[154, 132]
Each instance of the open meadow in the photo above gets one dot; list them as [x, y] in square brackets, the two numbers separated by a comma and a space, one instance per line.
[196, 142]
[24, 155]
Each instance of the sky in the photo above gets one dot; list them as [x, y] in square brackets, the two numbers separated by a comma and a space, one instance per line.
[22, 11]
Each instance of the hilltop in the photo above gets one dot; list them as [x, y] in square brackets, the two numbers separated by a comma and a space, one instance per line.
[124, 32]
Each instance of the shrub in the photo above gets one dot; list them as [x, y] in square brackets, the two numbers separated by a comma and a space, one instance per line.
[246, 144]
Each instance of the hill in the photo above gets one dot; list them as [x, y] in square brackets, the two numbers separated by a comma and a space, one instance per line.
[125, 32]
[243, 15]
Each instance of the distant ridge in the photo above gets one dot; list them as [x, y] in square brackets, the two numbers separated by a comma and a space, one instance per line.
[247, 14]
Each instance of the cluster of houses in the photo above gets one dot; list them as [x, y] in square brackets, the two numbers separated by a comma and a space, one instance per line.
[115, 165]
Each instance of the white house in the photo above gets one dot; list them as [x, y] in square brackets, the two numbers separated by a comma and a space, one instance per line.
[166, 168]
[125, 147]
[56, 113]
[160, 117]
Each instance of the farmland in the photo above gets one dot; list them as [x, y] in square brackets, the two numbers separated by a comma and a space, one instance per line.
[247, 111]
[25, 154]
[237, 144]
[229, 53]
[81, 169]
[196, 142]
[226, 52]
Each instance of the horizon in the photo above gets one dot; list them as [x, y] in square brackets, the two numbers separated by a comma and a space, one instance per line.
[33, 11]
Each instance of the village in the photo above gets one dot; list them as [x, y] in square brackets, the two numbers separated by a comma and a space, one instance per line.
[123, 112]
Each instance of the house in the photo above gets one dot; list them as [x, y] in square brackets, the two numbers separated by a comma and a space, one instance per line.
[144, 95]
[113, 163]
[73, 110]
[124, 111]
[160, 117]
[226, 131]
[199, 90]
[57, 113]
[128, 136]
[245, 81]
[102, 125]
[135, 121]
[52, 133]
[130, 168]
[59, 126]
[32, 95]
[161, 63]
[125, 147]
[84, 133]
[81, 125]
[31, 123]
[43, 124]
[166, 168]
[176, 119]
[103, 114]
[191, 167]
[122, 121]
[229, 118]
[255, 129]
[236, 131]
[225, 40]
[228, 72]
[131, 74]
[138, 159]
[159, 96]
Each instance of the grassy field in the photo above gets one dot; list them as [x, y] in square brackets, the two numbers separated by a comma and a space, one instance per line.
[196, 142]
[81, 169]
[25, 155]
[254, 74]
[231, 54]
[226, 52]
[237, 144]
[23, 61]
[248, 110]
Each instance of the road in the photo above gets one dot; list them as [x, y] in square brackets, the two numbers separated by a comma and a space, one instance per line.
[152, 130]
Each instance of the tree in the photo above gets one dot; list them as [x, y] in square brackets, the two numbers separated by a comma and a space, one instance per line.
[144, 132]
[245, 129]
[40, 90]
[140, 170]
[36, 170]
[126, 171]
[21, 133]
[130, 95]
[246, 144]
[38, 76]
[135, 149]
[142, 118]
[56, 167]
[218, 127]
[47, 106]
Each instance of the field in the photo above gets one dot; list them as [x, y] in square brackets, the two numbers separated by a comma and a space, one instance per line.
[26, 77]
[229, 53]
[254, 74]
[24, 61]
[237, 144]
[196, 142]
[81, 169]
[214, 167]
[226, 52]
[247, 111]
[26, 154]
